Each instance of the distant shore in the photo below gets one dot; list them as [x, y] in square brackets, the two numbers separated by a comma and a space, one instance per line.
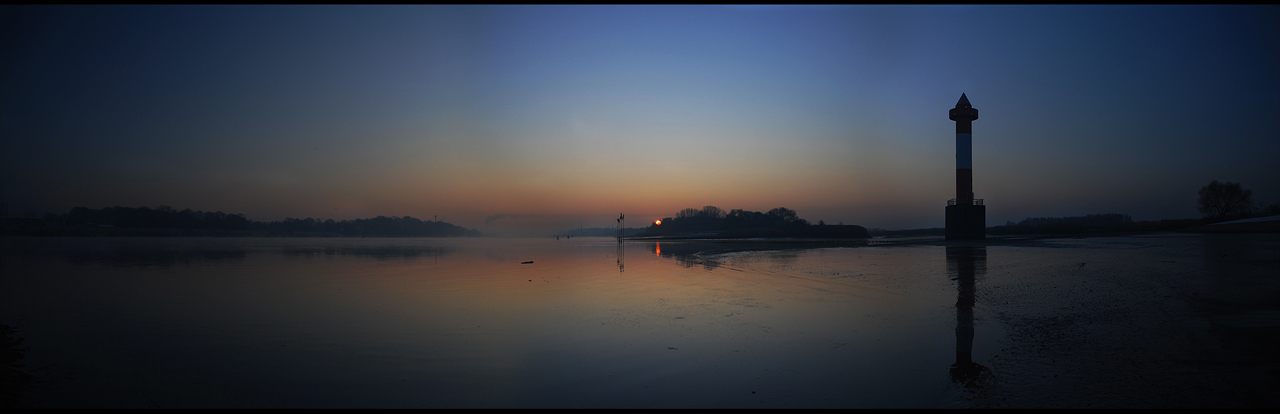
[1269, 224]
[166, 221]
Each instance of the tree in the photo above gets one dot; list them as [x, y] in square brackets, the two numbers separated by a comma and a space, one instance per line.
[712, 212]
[1224, 199]
[688, 213]
[786, 214]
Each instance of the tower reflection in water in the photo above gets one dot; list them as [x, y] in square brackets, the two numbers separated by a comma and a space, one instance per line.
[964, 264]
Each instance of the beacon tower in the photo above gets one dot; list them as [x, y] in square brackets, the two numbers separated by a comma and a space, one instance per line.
[966, 216]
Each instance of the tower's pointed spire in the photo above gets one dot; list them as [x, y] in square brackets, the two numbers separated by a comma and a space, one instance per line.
[964, 102]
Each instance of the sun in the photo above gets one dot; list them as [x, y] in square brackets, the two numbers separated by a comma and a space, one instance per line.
[657, 222]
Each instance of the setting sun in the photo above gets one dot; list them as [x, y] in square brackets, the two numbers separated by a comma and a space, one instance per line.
[657, 222]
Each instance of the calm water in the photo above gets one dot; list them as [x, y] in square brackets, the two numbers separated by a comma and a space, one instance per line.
[335, 322]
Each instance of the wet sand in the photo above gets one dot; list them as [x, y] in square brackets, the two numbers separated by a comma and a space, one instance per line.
[1158, 321]
[1136, 322]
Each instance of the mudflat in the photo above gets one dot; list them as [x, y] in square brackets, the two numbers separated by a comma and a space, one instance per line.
[1154, 321]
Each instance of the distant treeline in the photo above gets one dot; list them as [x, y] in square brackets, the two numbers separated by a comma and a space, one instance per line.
[778, 222]
[1121, 223]
[1093, 223]
[602, 232]
[1078, 224]
[1087, 220]
[164, 220]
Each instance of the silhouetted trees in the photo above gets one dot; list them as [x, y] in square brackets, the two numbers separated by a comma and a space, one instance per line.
[787, 215]
[709, 218]
[165, 217]
[1087, 220]
[162, 217]
[1222, 200]
[778, 222]
[1056, 225]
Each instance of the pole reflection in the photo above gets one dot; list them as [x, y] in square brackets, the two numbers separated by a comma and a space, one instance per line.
[964, 264]
[622, 257]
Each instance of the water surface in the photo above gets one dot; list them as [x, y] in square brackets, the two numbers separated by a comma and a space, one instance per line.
[340, 322]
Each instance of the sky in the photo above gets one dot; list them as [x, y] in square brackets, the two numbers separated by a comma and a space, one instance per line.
[544, 118]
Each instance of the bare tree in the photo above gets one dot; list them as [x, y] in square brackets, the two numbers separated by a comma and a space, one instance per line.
[786, 214]
[1225, 199]
[688, 213]
[713, 212]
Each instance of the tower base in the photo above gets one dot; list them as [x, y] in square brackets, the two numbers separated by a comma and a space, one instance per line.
[967, 222]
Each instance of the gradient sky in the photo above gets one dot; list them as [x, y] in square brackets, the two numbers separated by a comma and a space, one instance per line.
[564, 116]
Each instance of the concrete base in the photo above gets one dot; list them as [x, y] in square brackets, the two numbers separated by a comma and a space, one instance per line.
[966, 222]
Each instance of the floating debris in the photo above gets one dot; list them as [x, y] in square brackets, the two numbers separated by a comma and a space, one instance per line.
[528, 262]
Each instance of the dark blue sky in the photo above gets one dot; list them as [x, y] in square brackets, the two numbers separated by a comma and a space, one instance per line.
[566, 115]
